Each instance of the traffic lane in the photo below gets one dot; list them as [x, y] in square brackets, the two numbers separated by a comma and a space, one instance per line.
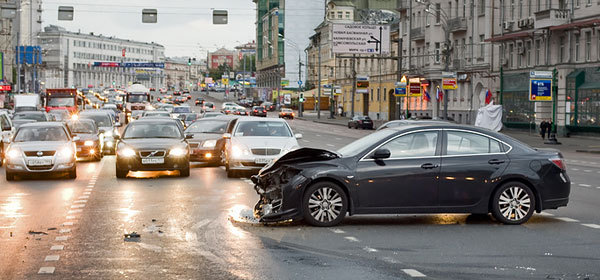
[32, 214]
[185, 232]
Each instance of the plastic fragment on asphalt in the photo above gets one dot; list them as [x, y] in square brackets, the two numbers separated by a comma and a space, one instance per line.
[37, 232]
[132, 236]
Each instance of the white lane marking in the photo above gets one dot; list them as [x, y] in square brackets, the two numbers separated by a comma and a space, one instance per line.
[352, 239]
[597, 187]
[370, 250]
[80, 201]
[52, 258]
[57, 248]
[565, 219]
[70, 217]
[413, 273]
[77, 205]
[337, 138]
[339, 231]
[84, 197]
[65, 224]
[305, 141]
[64, 230]
[62, 238]
[330, 145]
[575, 169]
[46, 270]
[87, 193]
[587, 170]
[200, 224]
[75, 211]
[595, 226]
[584, 185]
[545, 214]
[318, 135]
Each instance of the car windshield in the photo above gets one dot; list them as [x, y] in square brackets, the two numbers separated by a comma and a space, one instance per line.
[101, 120]
[82, 127]
[35, 117]
[137, 98]
[152, 130]
[191, 117]
[360, 145]
[36, 133]
[61, 102]
[182, 110]
[212, 126]
[263, 128]
[157, 114]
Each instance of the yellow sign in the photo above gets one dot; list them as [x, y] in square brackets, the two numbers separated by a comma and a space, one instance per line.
[225, 81]
[449, 83]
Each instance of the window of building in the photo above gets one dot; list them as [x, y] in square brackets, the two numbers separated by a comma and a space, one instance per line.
[512, 9]
[577, 3]
[529, 7]
[378, 94]
[520, 8]
[464, 8]
[538, 50]
[519, 52]
[510, 55]
[339, 14]
[371, 95]
[588, 45]
[427, 58]
[437, 13]
[481, 46]
[528, 53]
[347, 15]
[577, 51]
[482, 7]
[561, 49]
[384, 94]
[437, 53]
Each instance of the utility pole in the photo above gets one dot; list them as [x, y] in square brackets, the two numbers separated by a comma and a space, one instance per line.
[446, 68]
[353, 83]
[19, 60]
[299, 84]
[399, 77]
[318, 103]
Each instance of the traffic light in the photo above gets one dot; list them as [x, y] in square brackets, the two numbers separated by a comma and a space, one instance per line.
[301, 99]
[189, 62]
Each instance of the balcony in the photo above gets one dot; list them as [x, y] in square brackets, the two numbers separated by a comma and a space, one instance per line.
[402, 5]
[551, 17]
[417, 34]
[457, 24]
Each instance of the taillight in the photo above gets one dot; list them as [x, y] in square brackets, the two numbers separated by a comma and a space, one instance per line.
[559, 162]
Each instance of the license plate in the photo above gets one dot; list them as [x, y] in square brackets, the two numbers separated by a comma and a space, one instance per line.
[262, 160]
[153, 160]
[39, 162]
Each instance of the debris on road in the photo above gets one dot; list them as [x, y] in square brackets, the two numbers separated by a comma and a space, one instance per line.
[242, 214]
[52, 228]
[132, 236]
[37, 232]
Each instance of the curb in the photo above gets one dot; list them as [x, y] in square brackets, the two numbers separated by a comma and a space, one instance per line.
[588, 151]
[319, 121]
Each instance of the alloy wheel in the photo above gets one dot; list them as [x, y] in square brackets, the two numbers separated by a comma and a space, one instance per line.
[514, 203]
[325, 204]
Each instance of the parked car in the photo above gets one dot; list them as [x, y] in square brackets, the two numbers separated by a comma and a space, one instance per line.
[153, 144]
[286, 113]
[413, 169]
[255, 142]
[90, 143]
[363, 122]
[397, 123]
[258, 111]
[41, 147]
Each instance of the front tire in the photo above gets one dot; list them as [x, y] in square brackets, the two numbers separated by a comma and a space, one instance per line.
[513, 203]
[325, 204]
[185, 172]
[73, 173]
[10, 176]
[121, 173]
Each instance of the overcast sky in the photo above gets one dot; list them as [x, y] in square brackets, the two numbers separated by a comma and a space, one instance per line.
[184, 26]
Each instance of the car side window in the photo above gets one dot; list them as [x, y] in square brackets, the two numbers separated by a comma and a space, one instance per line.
[463, 143]
[418, 144]
[4, 124]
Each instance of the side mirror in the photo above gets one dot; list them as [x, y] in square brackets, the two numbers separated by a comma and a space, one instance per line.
[189, 136]
[382, 154]
[227, 135]
[76, 138]
[298, 136]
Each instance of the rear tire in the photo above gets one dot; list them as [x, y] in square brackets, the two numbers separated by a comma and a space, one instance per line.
[73, 173]
[513, 203]
[324, 204]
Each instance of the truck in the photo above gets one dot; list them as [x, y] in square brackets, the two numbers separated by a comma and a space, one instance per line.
[137, 99]
[63, 98]
[26, 102]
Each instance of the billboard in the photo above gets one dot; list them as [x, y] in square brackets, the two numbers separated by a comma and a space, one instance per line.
[540, 86]
[361, 39]
[362, 84]
[220, 59]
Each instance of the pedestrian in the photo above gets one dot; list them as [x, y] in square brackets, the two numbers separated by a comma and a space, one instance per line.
[543, 129]
[550, 127]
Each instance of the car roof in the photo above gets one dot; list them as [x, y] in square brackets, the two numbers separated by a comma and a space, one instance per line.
[94, 112]
[258, 119]
[154, 119]
[29, 112]
[45, 124]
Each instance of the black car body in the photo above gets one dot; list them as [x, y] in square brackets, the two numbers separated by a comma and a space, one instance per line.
[153, 144]
[89, 144]
[199, 101]
[208, 142]
[363, 122]
[415, 169]
[258, 111]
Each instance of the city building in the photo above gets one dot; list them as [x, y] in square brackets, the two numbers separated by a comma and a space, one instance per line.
[560, 36]
[223, 56]
[184, 72]
[69, 59]
[283, 29]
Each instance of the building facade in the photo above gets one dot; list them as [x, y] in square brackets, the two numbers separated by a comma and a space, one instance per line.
[69, 60]
[559, 36]
[184, 73]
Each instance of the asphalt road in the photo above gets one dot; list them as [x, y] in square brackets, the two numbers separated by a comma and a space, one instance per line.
[73, 229]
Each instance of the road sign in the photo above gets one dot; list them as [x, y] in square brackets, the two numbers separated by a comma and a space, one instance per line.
[362, 84]
[540, 86]
[285, 82]
[299, 83]
[449, 83]
[361, 39]
[400, 91]
[225, 81]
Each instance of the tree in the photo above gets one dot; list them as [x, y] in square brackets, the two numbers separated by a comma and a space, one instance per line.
[217, 73]
[250, 64]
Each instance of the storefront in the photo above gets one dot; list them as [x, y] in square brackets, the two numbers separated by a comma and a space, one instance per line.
[583, 101]
[519, 112]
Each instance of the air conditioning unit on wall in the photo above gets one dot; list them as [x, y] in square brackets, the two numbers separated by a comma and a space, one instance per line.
[508, 25]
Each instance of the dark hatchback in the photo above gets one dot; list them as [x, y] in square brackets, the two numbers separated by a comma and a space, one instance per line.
[414, 169]
[153, 144]
[208, 142]
[363, 122]
[258, 111]
[89, 144]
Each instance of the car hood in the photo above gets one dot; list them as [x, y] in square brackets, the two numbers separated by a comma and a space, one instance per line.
[302, 155]
[200, 137]
[39, 145]
[266, 142]
[87, 136]
[152, 143]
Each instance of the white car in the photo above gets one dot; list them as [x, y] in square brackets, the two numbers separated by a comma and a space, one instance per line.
[6, 132]
[228, 104]
[255, 142]
[41, 147]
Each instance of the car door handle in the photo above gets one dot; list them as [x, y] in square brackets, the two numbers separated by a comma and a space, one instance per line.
[429, 166]
[496, 161]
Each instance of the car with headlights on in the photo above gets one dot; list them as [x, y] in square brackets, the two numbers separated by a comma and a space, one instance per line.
[7, 130]
[105, 122]
[255, 142]
[208, 142]
[90, 141]
[153, 144]
[41, 147]
[437, 168]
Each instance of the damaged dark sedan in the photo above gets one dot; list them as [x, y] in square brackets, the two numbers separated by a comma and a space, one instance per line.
[414, 169]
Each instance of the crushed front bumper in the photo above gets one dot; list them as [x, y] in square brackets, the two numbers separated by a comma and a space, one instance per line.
[281, 193]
